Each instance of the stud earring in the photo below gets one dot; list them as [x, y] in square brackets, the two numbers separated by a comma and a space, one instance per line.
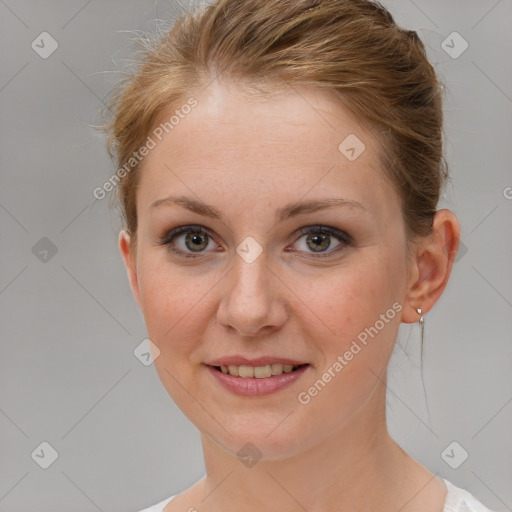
[421, 321]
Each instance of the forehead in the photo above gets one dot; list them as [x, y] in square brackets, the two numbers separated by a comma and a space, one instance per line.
[226, 113]
[288, 145]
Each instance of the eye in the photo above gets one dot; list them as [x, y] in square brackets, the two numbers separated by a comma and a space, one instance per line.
[197, 240]
[318, 238]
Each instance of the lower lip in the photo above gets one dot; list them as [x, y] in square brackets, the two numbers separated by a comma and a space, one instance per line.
[256, 387]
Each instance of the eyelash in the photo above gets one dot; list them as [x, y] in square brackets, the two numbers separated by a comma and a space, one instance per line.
[343, 237]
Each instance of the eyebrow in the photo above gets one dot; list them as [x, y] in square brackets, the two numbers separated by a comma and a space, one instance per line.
[286, 212]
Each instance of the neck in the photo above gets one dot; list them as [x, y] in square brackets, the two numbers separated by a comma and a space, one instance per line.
[357, 467]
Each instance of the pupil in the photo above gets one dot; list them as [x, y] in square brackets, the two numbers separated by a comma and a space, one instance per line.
[321, 239]
[196, 238]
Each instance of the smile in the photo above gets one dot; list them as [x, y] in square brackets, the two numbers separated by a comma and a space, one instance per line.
[248, 383]
[258, 372]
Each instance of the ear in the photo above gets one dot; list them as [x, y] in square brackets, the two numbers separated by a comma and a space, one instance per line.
[431, 266]
[130, 263]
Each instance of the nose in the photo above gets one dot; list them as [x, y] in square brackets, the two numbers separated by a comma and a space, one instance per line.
[253, 300]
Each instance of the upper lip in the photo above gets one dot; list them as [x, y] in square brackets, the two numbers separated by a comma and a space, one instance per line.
[259, 361]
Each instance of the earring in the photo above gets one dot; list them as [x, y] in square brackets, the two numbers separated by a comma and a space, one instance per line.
[421, 321]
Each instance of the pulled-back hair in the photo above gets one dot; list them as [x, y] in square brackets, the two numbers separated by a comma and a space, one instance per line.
[353, 48]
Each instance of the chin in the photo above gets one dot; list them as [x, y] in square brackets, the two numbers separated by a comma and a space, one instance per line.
[267, 439]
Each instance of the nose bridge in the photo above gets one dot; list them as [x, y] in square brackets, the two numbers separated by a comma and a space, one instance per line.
[250, 275]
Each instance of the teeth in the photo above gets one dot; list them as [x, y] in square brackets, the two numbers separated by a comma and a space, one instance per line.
[246, 371]
[277, 368]
[258, 372]
[261, 372]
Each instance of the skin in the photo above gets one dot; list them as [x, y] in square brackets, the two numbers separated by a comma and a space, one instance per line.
[248, 157]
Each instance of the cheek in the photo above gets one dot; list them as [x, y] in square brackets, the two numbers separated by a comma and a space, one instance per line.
[362, 313]
[174, 315]
[359, 308]
[173, 301]
[351, 298]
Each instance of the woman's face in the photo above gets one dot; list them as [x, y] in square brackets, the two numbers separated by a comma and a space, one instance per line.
[259, 282]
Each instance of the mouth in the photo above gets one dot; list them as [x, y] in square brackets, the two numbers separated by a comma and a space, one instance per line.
[257, 381]
[258, 372]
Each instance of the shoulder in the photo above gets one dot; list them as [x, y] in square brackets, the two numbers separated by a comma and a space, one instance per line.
[159, 507]
[460, 500]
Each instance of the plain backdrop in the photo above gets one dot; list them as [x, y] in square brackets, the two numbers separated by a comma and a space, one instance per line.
[113, 438]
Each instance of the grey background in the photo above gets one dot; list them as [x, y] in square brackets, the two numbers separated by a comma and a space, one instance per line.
[69, 325]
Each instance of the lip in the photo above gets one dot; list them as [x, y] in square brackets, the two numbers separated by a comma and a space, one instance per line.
[256, 387]
[258, 361]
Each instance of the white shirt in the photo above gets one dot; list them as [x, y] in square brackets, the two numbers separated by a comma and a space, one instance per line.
[457, 500]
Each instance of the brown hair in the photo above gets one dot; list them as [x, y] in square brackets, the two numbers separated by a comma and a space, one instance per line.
[354, 48]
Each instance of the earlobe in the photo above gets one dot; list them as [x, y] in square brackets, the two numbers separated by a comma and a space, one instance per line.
[124, 240]
[434, 262]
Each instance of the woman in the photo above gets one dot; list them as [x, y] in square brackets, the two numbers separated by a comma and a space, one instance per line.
[280, 167]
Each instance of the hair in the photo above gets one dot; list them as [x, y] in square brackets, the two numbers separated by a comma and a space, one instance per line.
[352, 48]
